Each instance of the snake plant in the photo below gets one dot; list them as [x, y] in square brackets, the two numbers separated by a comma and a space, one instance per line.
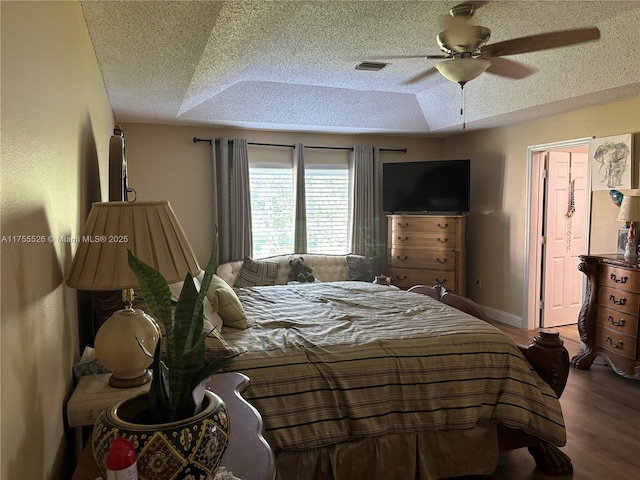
[173, 393]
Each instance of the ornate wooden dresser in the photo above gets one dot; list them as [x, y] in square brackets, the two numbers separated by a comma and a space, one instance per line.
[608, 321]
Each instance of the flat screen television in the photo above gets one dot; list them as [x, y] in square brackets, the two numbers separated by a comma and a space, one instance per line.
[441, 186]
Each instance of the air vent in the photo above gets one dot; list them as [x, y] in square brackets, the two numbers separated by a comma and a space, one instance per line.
[371, 66]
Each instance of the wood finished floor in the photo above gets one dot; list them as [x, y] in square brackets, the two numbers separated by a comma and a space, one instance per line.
[602, 416]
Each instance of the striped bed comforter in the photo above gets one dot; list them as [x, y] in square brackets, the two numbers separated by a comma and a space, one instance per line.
[333, 362]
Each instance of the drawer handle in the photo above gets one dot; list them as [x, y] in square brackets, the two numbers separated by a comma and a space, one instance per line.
[622, 301]
[443, 226]
[402, 259]
[618, 344]
[403, 224]
[443, 241]
[399, 277]
[403, 239]
[614, 277]
[619, 323]
[441, 282]
[441, 260]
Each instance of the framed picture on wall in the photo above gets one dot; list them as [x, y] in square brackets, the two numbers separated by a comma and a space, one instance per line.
[611, 162]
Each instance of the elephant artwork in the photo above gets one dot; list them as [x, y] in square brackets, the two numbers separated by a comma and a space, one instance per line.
[613, 161]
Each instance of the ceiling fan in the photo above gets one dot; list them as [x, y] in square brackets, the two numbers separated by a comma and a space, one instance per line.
[467, 53]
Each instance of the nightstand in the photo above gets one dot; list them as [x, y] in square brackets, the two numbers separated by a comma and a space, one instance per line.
[94, 394]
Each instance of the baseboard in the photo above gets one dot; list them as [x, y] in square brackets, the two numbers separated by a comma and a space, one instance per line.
[503, 317]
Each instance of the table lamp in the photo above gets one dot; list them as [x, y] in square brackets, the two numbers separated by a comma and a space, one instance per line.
[152, 232]
[630, 213]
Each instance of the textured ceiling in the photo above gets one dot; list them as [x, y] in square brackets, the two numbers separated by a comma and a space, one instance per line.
[290, 65]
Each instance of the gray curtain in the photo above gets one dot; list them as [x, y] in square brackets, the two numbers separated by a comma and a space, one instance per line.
[231, 195]
[300, 215]
[365, 173]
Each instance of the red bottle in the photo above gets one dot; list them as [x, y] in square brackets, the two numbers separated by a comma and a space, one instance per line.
[121, 460]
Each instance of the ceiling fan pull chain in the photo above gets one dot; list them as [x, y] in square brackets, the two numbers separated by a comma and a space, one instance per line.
[462, 112]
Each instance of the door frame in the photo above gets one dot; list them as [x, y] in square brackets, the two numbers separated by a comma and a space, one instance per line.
[533, 212]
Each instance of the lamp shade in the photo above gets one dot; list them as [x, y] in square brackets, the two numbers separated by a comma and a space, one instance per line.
[629, 209]
[462, 70]
[149, 229]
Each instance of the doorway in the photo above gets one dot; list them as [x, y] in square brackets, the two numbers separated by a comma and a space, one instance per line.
[559, 199]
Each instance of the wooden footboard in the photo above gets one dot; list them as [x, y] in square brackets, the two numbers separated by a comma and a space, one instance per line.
[549, 358]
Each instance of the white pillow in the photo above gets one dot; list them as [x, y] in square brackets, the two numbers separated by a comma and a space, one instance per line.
[208, 312]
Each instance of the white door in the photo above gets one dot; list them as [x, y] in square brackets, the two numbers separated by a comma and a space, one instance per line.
[564, 230]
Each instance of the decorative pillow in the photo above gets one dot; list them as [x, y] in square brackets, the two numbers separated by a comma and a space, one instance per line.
[225, 301]
[363, 269]
[256, 273]
[208, 312]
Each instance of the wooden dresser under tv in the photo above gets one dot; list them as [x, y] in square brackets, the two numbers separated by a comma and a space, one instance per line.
[427, 250]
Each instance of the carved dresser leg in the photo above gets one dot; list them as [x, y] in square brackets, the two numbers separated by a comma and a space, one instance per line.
[586, 323]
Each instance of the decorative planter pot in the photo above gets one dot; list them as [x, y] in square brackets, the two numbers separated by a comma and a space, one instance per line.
[190, 448]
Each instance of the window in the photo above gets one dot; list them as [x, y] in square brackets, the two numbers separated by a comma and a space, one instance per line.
[327, 195]
[272, 209]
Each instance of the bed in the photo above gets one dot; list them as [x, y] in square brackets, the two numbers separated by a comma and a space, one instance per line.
[362, 381]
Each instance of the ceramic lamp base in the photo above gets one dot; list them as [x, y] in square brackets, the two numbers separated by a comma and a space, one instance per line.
[119, 347]
[117, 382]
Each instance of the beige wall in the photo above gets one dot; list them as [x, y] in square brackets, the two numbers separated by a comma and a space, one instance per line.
[165, 164]
[496, 228]
[56, 123]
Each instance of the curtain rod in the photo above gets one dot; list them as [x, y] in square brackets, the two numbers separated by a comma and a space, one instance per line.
[403, 150]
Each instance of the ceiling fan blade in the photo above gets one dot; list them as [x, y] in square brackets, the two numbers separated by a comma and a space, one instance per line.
[393, 57]
[543, 41]
[420, 76]
[509, 68]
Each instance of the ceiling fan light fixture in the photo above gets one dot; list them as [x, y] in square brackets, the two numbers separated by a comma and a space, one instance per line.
[462, 70]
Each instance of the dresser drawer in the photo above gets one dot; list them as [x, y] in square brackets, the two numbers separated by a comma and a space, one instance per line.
[407, 277]
[422, 258]
[423, 224]
[624, 323]
[619, 300]
[619, 278]
[615, 342]
[443, 240]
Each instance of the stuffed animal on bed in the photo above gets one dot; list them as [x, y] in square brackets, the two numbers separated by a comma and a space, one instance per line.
[300, 272]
